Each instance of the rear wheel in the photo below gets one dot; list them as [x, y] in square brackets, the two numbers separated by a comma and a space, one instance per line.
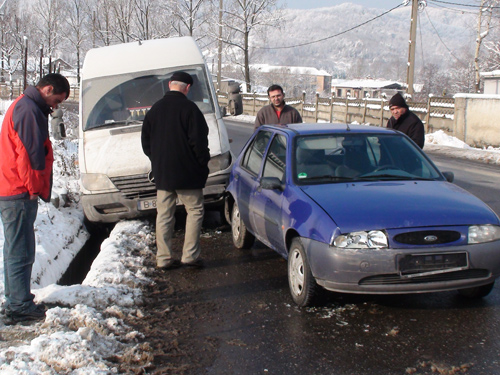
[477, 291]
[302, 285]
[242, 238]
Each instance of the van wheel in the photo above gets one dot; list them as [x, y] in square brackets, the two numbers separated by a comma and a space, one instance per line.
[302, 285]
[242, 238]
[477, 291]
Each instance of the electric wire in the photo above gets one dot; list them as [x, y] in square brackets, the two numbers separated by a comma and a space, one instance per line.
[441, 40]
[464, 5]
[335, 35]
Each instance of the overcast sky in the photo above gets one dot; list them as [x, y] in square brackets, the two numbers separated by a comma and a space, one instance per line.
[381, 4]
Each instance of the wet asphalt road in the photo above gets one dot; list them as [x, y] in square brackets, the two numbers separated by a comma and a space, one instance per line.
[245, 312]
[243, 321]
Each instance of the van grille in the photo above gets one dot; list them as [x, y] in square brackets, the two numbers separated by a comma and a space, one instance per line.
[135, 187]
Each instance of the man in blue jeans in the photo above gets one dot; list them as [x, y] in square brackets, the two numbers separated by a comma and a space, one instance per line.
[26, 159]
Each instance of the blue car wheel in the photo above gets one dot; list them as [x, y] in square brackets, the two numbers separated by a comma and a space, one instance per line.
[302, 285]
[242, 238]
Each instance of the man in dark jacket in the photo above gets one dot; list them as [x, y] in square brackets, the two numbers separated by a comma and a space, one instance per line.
[26, 160]
[405, 120]
[277, 112]
[175, 138]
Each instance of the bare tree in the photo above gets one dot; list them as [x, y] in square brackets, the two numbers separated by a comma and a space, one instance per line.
[123, 14]
[77, 33]
[51, 14]
[102, 16]
[493, 60]
[485, 13]
[244, 17]
[8, 63]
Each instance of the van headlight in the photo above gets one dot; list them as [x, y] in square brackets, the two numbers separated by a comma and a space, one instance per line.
[483, 233]
[219, 162]
[96, 181]
[374, 239]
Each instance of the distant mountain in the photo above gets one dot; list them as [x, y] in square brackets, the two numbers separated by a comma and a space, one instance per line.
[378, 49]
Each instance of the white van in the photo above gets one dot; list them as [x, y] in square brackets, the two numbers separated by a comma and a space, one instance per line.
[119, 85]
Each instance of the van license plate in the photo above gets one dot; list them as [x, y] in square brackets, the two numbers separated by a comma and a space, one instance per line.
[146, 204]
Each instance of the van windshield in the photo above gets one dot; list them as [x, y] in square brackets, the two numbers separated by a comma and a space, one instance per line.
[125, 99]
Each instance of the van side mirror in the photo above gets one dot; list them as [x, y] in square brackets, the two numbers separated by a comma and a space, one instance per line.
[57, 125]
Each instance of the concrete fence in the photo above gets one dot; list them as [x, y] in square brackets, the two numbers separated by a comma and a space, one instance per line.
[471, 118]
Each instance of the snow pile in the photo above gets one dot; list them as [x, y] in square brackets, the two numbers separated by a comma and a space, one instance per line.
[86, 333]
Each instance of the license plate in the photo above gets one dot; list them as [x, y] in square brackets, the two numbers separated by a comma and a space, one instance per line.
[146, 204]
[427, 264]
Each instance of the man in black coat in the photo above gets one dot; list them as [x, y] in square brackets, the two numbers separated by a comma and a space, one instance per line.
[175, 138]
[405, 120]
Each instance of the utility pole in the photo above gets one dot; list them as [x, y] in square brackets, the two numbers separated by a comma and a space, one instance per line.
[412, 47]
[219, 52]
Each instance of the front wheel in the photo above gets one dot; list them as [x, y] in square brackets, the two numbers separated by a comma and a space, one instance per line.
[477, 291]
[302, 285]
[242, 238]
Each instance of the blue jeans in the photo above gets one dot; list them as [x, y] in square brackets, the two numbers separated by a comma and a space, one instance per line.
[18, 217]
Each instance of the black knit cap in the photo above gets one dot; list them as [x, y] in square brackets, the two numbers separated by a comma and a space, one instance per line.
[398, 101]
[182, 77]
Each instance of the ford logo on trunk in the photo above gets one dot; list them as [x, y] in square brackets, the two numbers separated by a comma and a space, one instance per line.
[430, 238]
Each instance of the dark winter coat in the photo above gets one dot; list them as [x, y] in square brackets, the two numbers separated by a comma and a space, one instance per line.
[175, 138]
[26, 155]
[267, 116]
[411, 125]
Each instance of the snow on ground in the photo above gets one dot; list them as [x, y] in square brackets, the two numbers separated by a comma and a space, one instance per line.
[86, 329]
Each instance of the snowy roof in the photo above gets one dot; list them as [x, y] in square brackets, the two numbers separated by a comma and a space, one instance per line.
[492, 74]
[303, 70]
[365, 83]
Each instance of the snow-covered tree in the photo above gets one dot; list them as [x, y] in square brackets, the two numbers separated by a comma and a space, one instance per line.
[242, 18]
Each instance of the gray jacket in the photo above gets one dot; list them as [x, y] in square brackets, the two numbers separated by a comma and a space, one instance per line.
[267, 116]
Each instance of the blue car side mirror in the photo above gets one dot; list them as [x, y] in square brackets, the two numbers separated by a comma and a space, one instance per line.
[271, 183]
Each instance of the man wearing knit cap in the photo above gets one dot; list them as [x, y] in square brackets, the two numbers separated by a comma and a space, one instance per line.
[405, 120]
[175, 138]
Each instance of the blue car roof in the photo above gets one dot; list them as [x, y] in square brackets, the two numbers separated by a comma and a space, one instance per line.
[322, 128]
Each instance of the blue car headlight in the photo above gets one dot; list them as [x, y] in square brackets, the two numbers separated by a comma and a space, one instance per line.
[374, 239]
[483, 233]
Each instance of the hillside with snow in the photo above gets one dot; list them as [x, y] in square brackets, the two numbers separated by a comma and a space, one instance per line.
[378, 49]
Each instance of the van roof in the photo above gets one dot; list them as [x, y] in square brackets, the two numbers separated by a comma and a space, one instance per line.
[141, 56]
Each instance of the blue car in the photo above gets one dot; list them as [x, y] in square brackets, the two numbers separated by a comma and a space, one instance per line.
[360, 209]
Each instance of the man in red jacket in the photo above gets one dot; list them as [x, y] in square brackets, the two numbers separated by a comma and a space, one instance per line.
[26, 159]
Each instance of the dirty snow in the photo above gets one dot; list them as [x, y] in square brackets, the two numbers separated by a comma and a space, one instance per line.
[86, 329]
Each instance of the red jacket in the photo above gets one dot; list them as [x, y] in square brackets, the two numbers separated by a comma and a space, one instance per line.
[26, 154]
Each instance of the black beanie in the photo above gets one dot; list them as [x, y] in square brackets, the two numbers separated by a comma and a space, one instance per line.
[398, 101]
[182, 77]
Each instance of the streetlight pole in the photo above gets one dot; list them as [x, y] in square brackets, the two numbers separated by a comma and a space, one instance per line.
[219, 52]
[412, 47]
[25, 62]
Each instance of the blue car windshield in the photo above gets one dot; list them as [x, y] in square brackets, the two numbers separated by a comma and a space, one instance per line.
[359, 156]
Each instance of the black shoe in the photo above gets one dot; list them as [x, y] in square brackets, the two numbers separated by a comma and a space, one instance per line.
[172, 263]
[14, 317]
[198, 263]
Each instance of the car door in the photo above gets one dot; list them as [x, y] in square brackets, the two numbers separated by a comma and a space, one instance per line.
[247, 175]
[266, 204]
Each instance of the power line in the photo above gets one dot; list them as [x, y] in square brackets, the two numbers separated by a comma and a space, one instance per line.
[463, 5]
[333, 36]
[441, 40]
